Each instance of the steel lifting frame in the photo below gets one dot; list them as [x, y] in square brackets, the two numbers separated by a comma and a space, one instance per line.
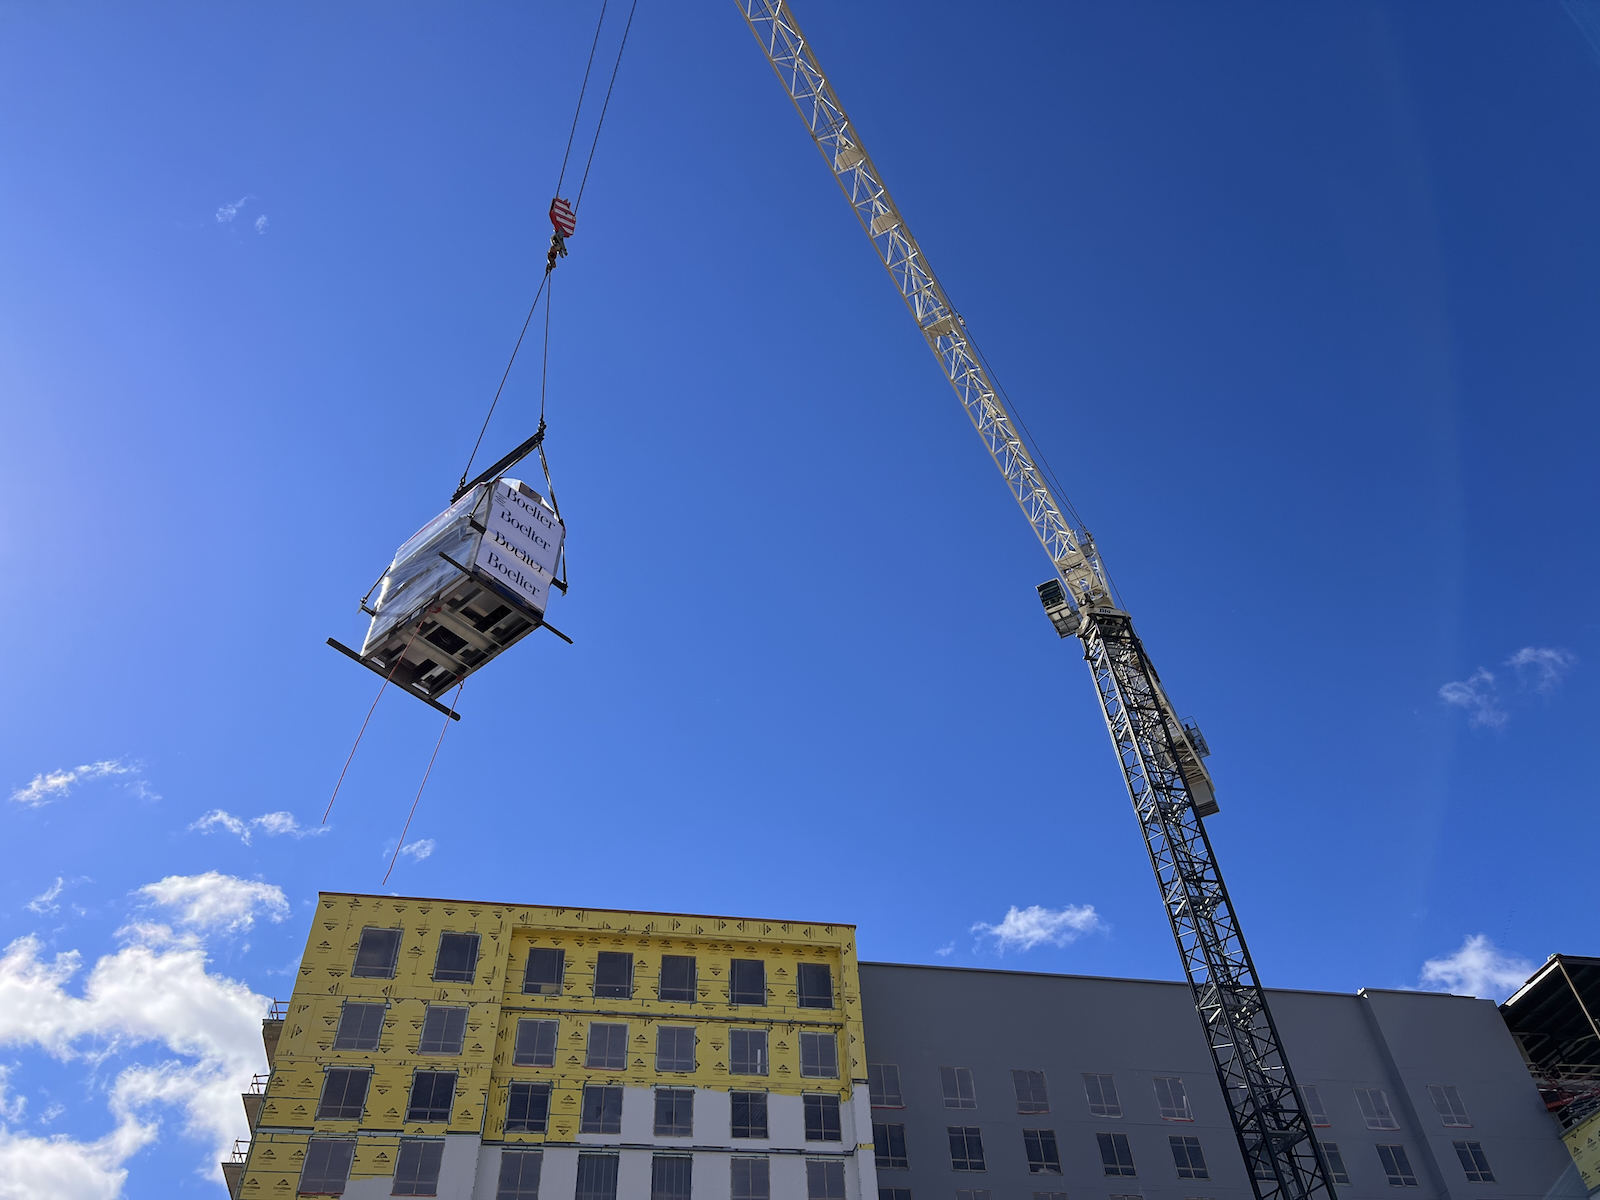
[1284, 1160]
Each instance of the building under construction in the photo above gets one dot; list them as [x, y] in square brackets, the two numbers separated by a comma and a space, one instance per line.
[491, 1051]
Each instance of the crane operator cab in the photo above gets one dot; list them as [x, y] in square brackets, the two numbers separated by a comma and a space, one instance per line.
[468, 585]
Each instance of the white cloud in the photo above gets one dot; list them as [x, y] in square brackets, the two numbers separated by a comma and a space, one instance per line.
[217, 901]
[44, 903]
[155, 990]
[56, 784]
[261, 223]
[273, 824]
[1541, 667]
[1479, 968]
[419, 850]
[1476, 694]
[946, 950]
[1025, 928]
[229, 211]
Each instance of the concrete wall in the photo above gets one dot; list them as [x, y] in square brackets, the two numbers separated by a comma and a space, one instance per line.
[922, 1018]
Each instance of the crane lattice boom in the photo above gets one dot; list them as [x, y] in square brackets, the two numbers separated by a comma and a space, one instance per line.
[1160, 756]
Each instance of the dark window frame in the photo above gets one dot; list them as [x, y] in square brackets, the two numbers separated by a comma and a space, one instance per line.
[609, 1062]
[824, 1179]
[515, 1162]
[752, 1188]
[742, 988]
[327, 1172]
[1033, 1093]
[341, 1107]
[1188, 1157]
[966, 1148]
[534, 1048]
[618, 966]
[1174, 1106]
[358, 1038]
[423, 1172]
[960, 1090]
[1043, 1151]
[822, 1117]
[544, 986]
[684, 993]
[1447, 1103]
[1474, 1162]
[752, 1102]
[671, 1177]
[878, 1091]
[674, 1102]
[1316, 1110]
[1338, 1172]
[597, 1176]
[889, 1146]
[677, 1032]
[371, 971]
[1396, 1164]
[1102, 1083]
[433, 1079]
[600, 1108]
[532, 1098]
[1116, 1156]
[823, 1065]
[466, 974]
[808, 992]
[737, 1064]
[448, 1013]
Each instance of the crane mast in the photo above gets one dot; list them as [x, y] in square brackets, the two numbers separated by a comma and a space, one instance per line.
[1160, 755]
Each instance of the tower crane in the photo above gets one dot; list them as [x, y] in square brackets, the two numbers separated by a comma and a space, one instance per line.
[1160, 755]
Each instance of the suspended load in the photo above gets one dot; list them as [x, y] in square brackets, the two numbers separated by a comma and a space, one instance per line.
[469, 584]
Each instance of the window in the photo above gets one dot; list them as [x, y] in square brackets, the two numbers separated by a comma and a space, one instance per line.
[1031, 1094]
[416, 1168]
[824, 1179]
[677, 978]
[1336, 1167]
[376, 954]
[1115, 1156]
[1102, 1093]
[751, 1179]
[747, 981]
[1049, 1196]
[894, 1193]
[613, 975]
[1187, 1157]
[966, 1148]
[819, 1055]
[536, 1044]
[519, 1175]
[674, 1112]
[816, 985]
[1448, 1103]
[1474, 1162]
[1115, 1196]
[1375, 1108]
[327, 1166]
[958, 1091]
[359, 1026]
[822, 1118]
[674, 1048]
[597, 1177]
[1259, 1160]
[542, 977]
[1174, 1101]
[444, 1028]
[747, 1052]
[889, 1144]
[1044, 1156]
[608, 1046]
[1314, 1109]
[1397, 1166]
[433, 1095]
[527, 1107]
[344, 1095]
[749, 1116]
[883, 1085]
[972, 1194]
[458, 957]
[670, 1176]
[602, 1109]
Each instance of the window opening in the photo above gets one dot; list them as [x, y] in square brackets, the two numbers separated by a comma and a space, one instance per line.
[966, 1147]
[674, 1048]
[527, 1107]
[416, 1168]
[376, 954]
[602, 1109]
[819, 1056]
[519, 1175]
[1044, 1156]
[444, 1030]
[458, 957]
[670, 1176]
[1375, 1109]
[1314, 1109]
[1474, 1162]
[1447, 1102]
[894, 1193]
[433, 1096]
[542, 976]
[972, 1194]
[747, 981]
[1032, 1096]
[747, 1052]
[597, 1177]
[1049, 1196]
[751, 1179]
[674, 1112]
[1102, 1093]
[749, 1115]
[1397, 1166]
[824, 1179]
[958, 1089]
[326, 1168]
[883, 1085]
[822, 1118]
[816, 985]
[608, 1047]
[613, 975]
[360, 1026]
[1174, 1101]
[1188, 1158]
[1336, 1168]
[536, 1044]
[677, 980]
[1115, 1155]
[344, 1094]
[889, 1145]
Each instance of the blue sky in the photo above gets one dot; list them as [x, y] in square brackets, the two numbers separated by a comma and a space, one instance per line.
[1300, 302]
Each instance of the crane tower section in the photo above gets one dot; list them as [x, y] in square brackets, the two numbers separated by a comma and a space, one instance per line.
[1160, 755]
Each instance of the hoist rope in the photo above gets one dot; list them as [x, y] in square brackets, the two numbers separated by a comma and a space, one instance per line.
[585, 87]
[395, 857]
[526, 321]
[381, 689]
[620, 48]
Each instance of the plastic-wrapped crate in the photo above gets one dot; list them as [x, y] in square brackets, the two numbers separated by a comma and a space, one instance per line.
[468, 585]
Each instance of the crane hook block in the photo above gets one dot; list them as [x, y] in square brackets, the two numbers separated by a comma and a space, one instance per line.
[468, 585]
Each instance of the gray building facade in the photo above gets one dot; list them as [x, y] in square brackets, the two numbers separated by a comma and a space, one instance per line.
[1003, 1085]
